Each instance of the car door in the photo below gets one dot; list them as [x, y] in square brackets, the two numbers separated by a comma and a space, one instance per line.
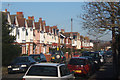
[65, 74]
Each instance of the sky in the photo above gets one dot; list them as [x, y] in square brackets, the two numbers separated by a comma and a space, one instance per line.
[54, 13]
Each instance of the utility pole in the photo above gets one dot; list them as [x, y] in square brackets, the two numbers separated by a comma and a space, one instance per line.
[71, 36]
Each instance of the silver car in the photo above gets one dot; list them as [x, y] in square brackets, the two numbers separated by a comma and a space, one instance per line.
[48, 71]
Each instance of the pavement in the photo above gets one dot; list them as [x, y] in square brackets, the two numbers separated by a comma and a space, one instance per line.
[105, 72]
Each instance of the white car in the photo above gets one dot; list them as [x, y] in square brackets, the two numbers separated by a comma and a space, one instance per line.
[48, 71]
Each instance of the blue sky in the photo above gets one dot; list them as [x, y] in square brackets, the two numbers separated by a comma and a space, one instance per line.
[54, 13]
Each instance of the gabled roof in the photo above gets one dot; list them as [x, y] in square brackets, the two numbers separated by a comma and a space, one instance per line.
[29, 23]
[12, 18]
[51, 29]
[47, 28]
[5, 14]
[66, 34]
[37, 25]
[21, 21]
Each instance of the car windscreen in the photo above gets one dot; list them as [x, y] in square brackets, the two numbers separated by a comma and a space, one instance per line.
[43, 71]
[77, 61]
[20, 60]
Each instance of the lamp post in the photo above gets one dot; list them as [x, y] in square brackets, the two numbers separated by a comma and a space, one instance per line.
[71, 36]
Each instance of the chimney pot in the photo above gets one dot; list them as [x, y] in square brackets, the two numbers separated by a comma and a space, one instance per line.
[44, 22]
[6, 10]
[30, 17]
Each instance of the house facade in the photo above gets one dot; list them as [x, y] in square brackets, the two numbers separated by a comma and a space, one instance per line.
[37, 37]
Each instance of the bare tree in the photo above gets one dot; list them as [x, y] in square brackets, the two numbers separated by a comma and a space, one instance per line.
[101, 17]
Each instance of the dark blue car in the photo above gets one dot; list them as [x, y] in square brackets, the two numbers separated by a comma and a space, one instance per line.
[20, 64]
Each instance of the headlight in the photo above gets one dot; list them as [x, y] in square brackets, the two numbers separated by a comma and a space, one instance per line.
[58, 56]
[96, 62]
[9, 66]
[23, 65]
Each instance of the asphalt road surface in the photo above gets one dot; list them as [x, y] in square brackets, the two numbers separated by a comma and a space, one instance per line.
[16, 76]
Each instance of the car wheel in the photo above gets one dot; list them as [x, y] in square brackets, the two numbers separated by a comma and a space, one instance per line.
[10, 72]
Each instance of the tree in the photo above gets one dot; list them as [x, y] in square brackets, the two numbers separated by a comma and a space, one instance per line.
[101, 18]
[9, 50]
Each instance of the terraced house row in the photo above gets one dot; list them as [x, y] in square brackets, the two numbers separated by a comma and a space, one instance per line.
[36, 37]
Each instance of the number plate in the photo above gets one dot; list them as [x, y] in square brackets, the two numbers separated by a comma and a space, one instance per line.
[15, 69]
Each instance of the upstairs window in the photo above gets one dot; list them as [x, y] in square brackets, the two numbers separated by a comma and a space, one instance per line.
[30, 29]
[18, 34]
[33, 33]
[26, 33]
[23, 29]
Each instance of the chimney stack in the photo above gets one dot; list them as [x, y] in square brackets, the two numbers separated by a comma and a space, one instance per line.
[44, 22]
[55, 27]
[31, 17]
[40, 19]
[62, 30]
[20, 14]
[5, 10]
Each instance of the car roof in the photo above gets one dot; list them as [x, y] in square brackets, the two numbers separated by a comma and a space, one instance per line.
[80, 57]
[87, 56]
[34, 54]
[49, 64]
[23, 56]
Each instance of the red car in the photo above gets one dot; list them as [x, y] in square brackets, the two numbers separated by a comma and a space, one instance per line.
[76, 55]
[80, 66]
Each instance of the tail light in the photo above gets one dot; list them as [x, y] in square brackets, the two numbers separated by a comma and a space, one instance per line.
[23, 78]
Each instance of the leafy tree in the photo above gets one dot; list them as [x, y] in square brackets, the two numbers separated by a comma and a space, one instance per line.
[9, 50]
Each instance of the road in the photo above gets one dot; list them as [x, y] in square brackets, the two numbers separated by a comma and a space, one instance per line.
[18, 76]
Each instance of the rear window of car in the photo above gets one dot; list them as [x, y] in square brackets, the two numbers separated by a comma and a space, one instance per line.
[35, 57]
[43, 71]
[77, 61]
[42, 56]
[94, 55]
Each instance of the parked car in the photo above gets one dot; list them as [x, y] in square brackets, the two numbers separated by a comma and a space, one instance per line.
[48, 71]
[20, 64]
[95, 56]
[38, 57]
[80, 65]
[108, 54]
[58, 56]
[92, 63]
[102, 56]
[76, 55]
